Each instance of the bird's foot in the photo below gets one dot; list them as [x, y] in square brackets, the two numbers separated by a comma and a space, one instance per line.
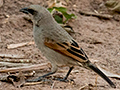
[63, 80]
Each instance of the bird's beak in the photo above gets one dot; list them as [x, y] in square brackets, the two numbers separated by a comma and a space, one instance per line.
[28, 11]
[25, 10]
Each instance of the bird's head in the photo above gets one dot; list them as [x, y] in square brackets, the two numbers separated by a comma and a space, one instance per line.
[36, 12]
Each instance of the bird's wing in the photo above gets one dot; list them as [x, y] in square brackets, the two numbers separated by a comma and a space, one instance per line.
[69, 49]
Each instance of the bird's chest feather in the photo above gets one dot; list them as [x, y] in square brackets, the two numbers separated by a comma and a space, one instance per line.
[38, 36]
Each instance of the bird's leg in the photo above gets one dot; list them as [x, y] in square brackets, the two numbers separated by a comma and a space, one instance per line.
[65, 78]
[54, 69]
[50, 73]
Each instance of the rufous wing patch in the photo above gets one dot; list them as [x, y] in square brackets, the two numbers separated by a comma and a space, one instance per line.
[69, 49]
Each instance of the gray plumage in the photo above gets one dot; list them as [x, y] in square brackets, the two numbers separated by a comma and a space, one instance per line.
[56, 44]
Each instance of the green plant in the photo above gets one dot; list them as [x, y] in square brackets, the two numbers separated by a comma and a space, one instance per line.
[64, 13]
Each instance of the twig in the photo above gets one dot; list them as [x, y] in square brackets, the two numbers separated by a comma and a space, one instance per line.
[105, 16]
[26, 68]
[87, 86]
[31, 83]
[12, 46]
[12, 56]
[83, 87]
[8, 64]
[16, 60]
[96, 81]
[39, 82]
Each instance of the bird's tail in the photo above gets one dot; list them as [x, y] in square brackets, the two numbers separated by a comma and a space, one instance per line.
[99, 72]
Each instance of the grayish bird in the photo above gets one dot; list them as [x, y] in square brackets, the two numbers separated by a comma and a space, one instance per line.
[57, 45]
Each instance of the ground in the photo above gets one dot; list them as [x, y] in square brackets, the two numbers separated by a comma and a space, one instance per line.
[99, 38]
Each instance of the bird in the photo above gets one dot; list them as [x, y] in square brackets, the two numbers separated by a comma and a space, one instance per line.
[57, 45]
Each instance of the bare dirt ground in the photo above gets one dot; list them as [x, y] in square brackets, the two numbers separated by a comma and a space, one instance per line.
[88, 31]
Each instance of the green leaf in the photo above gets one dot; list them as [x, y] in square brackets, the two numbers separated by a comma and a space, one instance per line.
[64, 12]
[58, 19]
[50, 9]
[61, 9]
[68, 16]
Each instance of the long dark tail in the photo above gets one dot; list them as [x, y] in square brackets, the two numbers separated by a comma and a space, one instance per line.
[99, 72]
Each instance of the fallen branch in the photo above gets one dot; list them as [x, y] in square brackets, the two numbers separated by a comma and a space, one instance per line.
[104, 16]
[26, 68]
[12, 56]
